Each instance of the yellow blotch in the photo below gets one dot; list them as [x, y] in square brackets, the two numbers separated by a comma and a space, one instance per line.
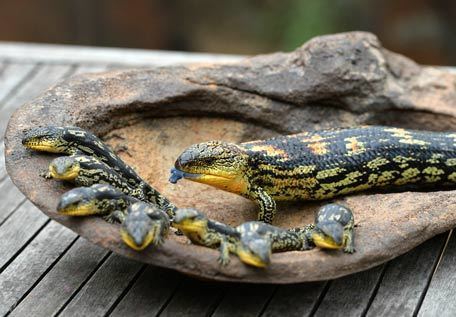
[397, 132]
[270, 150]
[307, 169]
[373, 178]
[435, 158]
[318, 148]
[376, 163]
[405, 136]
[452, 177]
[329, 172]
[354, 146]
[408, 176]
[316, 145]
[434, 171]
[410, 173]
[348, 180]
[403, 161]
[313, 138]
[451, 162]
[386, 176]
[432, 178]
[411, 140]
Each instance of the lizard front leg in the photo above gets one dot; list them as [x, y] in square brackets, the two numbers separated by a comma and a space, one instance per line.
[224, 249]
[349, 239]
[266, 203]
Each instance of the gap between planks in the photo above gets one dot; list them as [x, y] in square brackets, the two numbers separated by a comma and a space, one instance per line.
[28, 89]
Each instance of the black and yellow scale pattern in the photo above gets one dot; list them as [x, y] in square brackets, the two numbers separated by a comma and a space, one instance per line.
[84, 170]
[254, 241]
[323, 164]
[95, 160]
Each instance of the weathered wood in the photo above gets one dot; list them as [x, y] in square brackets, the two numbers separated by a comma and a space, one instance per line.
[2, 161]
[50, 53]
[226, 91]
[42, 79]
[344, 292]
[62, 281]
[18, 229]
[12, 77]
[405, 280]
[50, 294]
[104, 288]
[194, 298]
[21, 274]
[440, 298]
[245, 298]
[10, 198]
[149, 293]
[295, 300]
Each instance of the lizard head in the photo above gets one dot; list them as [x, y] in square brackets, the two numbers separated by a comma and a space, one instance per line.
[328, 235]
[79, 201]
[64, 168]
[255, 250]
[144, 224]
[137, 230]
[94, 200]
[190, 221]
[47, 139]
[215, 163]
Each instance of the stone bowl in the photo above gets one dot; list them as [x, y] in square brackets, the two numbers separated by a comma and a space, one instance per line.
[150, 116]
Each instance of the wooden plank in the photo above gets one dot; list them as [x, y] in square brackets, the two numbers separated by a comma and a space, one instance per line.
[440, 298]
[50, 53]
[21, 274]
[2, 161]
[250, 299]
[18, 229]
[10, 198]
[12, 76]
[104, 288]
[13, 226]
[61, 282]
[405, 280]
[295, 300]
[149, 293]
[344, 292]
[43, 78]
[194, 298]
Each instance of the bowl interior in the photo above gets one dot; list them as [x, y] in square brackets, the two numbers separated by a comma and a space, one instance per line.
[152, 145]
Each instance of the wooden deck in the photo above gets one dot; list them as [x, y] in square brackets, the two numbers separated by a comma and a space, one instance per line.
[46, 269]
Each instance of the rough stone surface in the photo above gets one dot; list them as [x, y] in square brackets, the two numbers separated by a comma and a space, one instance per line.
[338, 80]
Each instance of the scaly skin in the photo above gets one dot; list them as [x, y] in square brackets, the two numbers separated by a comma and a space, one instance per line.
[254, 241]
[334, 228]
[142, 223]
[75, 141]
[322, 164]
[209, 233]
[83, 170]
[98, 199]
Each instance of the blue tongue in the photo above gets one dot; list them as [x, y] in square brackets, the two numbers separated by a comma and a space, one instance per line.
[175, 175]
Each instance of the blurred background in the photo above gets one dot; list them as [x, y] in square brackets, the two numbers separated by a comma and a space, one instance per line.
[423, 30]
